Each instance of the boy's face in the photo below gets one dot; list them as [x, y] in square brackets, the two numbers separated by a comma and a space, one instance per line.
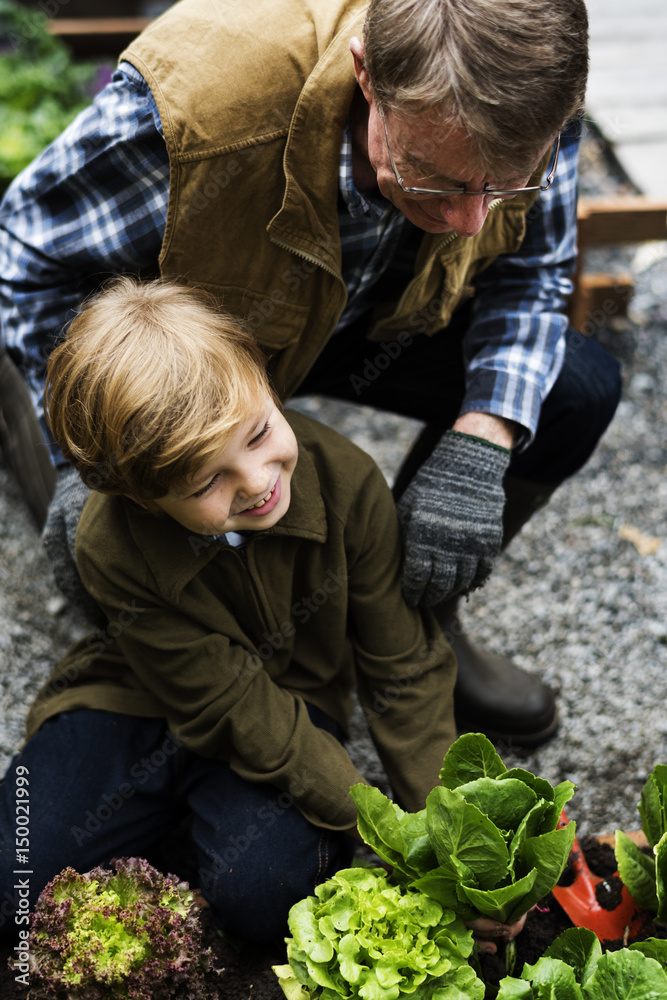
[246, 486]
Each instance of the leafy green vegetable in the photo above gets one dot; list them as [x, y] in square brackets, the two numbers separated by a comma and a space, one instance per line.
[645, 877]
[131, 933]
[487, 842]
[361, 936]
[574, 968]
[41, 89]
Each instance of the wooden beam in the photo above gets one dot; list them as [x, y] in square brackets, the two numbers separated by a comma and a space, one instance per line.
[597, 298]
[600, 222]
[98, 25]
[621, 220]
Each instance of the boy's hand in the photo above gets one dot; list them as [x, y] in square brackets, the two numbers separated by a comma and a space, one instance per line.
[353, 832]
[487, 932]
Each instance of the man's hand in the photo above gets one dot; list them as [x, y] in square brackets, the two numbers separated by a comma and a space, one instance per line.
[59, 535]
[451, 516]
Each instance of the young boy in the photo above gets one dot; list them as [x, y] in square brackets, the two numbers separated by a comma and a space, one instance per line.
[248, 566]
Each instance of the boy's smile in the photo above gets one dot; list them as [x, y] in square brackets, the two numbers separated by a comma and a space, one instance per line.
[246, 486]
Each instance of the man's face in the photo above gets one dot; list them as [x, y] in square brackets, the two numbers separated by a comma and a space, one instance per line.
[246, 486]
[431, 156]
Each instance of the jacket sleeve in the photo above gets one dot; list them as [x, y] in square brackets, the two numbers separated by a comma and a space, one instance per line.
[406, 669]
[515, 345]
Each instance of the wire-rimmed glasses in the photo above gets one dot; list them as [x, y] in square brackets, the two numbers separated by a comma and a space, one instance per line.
[461, 189]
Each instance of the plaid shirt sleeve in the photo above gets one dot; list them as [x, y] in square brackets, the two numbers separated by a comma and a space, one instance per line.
[515, 346]
[93, 204]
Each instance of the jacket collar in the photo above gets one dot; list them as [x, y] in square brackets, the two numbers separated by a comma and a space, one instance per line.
[175, 555]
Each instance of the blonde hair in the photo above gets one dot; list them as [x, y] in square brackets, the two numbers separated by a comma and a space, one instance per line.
[149, 382]
[512, 73]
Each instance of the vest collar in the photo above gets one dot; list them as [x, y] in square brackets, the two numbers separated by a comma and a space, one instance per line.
[308, 214]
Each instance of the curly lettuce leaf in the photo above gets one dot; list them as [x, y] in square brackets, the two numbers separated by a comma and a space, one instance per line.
[126, 932]
[361, 936]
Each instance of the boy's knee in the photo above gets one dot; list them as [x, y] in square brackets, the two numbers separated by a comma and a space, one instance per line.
[251, 896]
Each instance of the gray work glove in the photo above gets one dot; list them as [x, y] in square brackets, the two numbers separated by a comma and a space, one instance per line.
[59, 535]
[451, 517]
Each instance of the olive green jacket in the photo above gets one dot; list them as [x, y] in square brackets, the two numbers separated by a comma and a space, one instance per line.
[229, 644]
[253, 99]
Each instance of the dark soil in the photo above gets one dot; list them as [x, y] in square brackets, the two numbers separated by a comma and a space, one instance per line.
[247, 974]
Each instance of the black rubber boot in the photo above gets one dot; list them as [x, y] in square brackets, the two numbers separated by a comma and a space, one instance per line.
[493, 695]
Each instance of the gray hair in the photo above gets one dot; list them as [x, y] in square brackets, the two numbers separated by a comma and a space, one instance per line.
[512, 73]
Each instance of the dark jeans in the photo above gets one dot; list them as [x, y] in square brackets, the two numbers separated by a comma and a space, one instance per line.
[104, 785]
[426, 378]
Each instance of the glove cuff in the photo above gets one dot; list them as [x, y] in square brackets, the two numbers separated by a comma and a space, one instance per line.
[481, 440]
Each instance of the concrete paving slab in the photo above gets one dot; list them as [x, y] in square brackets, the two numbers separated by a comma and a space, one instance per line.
[627, 91]
[646, 164]
[629, 124]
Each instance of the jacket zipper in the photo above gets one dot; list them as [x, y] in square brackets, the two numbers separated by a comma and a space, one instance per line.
[241, 553]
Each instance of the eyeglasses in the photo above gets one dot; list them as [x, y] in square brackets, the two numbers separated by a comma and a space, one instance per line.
[448, 192]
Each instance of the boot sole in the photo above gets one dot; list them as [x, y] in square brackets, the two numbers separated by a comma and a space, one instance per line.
[510, 740]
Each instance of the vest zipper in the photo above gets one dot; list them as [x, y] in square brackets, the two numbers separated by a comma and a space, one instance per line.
[329, 270]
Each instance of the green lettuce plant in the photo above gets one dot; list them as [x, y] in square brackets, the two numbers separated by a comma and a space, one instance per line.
[132, 933]
[488, 841]
[646, 877]
[361, 936]
[575, 968]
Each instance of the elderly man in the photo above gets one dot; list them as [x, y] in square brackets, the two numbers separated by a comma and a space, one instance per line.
[387, 194]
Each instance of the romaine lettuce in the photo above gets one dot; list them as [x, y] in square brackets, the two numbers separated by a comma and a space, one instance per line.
[645, 877]
[488, 842]
[574, 968]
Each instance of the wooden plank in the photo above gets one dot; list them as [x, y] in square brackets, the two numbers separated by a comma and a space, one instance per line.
[598, 298]
[635, 835]
[621, 220]
[98, 25]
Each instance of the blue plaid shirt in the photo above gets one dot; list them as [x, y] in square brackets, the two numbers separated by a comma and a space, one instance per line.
[94, 204]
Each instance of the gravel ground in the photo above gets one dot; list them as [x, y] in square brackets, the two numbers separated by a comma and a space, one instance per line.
[572, 599]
